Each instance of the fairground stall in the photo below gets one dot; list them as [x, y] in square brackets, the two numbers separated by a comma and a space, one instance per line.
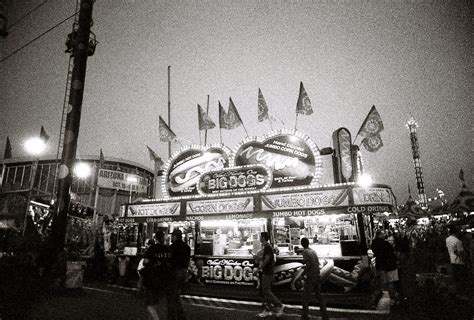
[222, 200]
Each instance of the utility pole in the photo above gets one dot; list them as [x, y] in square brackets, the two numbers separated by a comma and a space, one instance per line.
[81, 51]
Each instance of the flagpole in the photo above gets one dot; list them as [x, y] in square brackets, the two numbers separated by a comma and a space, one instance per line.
[296, 121]
[220, 133]
[199, 129]
[207, 111]
[244, 128]
[169, 109]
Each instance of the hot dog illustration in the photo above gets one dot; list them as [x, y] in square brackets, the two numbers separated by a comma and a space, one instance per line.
[281, 164]
[326, 266]
[285, 273]
[186, 174]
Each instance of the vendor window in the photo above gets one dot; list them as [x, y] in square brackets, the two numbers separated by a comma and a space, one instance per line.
[230, 237]
[328, 235]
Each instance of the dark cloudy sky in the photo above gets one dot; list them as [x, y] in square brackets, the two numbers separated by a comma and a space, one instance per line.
[408, 58]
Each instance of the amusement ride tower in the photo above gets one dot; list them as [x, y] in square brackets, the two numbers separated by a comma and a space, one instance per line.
[412, 126]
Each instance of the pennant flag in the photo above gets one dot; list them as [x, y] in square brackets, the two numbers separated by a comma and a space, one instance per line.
[156, 158]
[101, 159]
[205, 122]
[461, 173]
[372, 124]
[166, 135]
[222, 118]
[262, 107]
[372, 143]
[233, 117]
[43, 135]
[8, 150]
[303, 105]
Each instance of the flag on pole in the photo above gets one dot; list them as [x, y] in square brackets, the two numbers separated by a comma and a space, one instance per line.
[43, 135]
[372, 143]
[262, 107]
[409, 190]
[166, 135]
[205, 122]
[8, 150]
[303, 105]
[222, 118]
[101, 159]
[233, 117]
[461, 174]
[372, 124]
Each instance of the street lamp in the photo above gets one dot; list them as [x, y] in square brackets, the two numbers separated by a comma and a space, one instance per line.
[33, 146]
[131, 180]
[365, 180]
[82, 170]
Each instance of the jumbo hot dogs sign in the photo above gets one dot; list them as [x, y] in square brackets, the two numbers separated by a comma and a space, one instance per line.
[280, 159]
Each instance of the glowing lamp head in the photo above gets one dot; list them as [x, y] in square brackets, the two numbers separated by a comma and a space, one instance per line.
[82, 170]
[35, 146]
[365, 181]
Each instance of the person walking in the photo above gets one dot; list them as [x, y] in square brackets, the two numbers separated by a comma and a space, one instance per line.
[266, 268]
[312, 282]
[386, 265]
[457, 258]
[180, 256]
[156, 273]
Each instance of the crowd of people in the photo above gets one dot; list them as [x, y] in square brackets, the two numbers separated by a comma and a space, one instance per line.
[437, 246]
[163, 273]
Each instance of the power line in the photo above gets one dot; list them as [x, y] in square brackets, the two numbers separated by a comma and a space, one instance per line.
[42, 34]
[27, 14]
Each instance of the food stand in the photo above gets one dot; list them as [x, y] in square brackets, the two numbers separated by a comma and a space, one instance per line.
[223, 200]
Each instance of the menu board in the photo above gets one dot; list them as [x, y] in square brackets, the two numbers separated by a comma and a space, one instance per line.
[295, 236]
[282, 234]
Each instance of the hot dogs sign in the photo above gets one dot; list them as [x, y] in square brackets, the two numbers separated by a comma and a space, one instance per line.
[282, 158]
[183, 170]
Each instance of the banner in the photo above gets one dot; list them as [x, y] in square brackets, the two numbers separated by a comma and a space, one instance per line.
[121, 181]
[234, 205]
[305, 200]
[369, 196]
[154, 209]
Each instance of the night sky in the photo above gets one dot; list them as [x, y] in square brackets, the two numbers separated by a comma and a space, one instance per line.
[408, 58]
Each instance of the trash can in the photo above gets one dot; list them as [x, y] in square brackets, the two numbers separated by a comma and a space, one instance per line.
[74, 274]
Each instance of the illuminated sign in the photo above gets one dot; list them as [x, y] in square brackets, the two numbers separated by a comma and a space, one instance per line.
[305, 200]
[291, 156]
[183, 170]
[154, 210]
[235, 179]
[233, 205]
[343, 154]
[366, 196]
[228, 271]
